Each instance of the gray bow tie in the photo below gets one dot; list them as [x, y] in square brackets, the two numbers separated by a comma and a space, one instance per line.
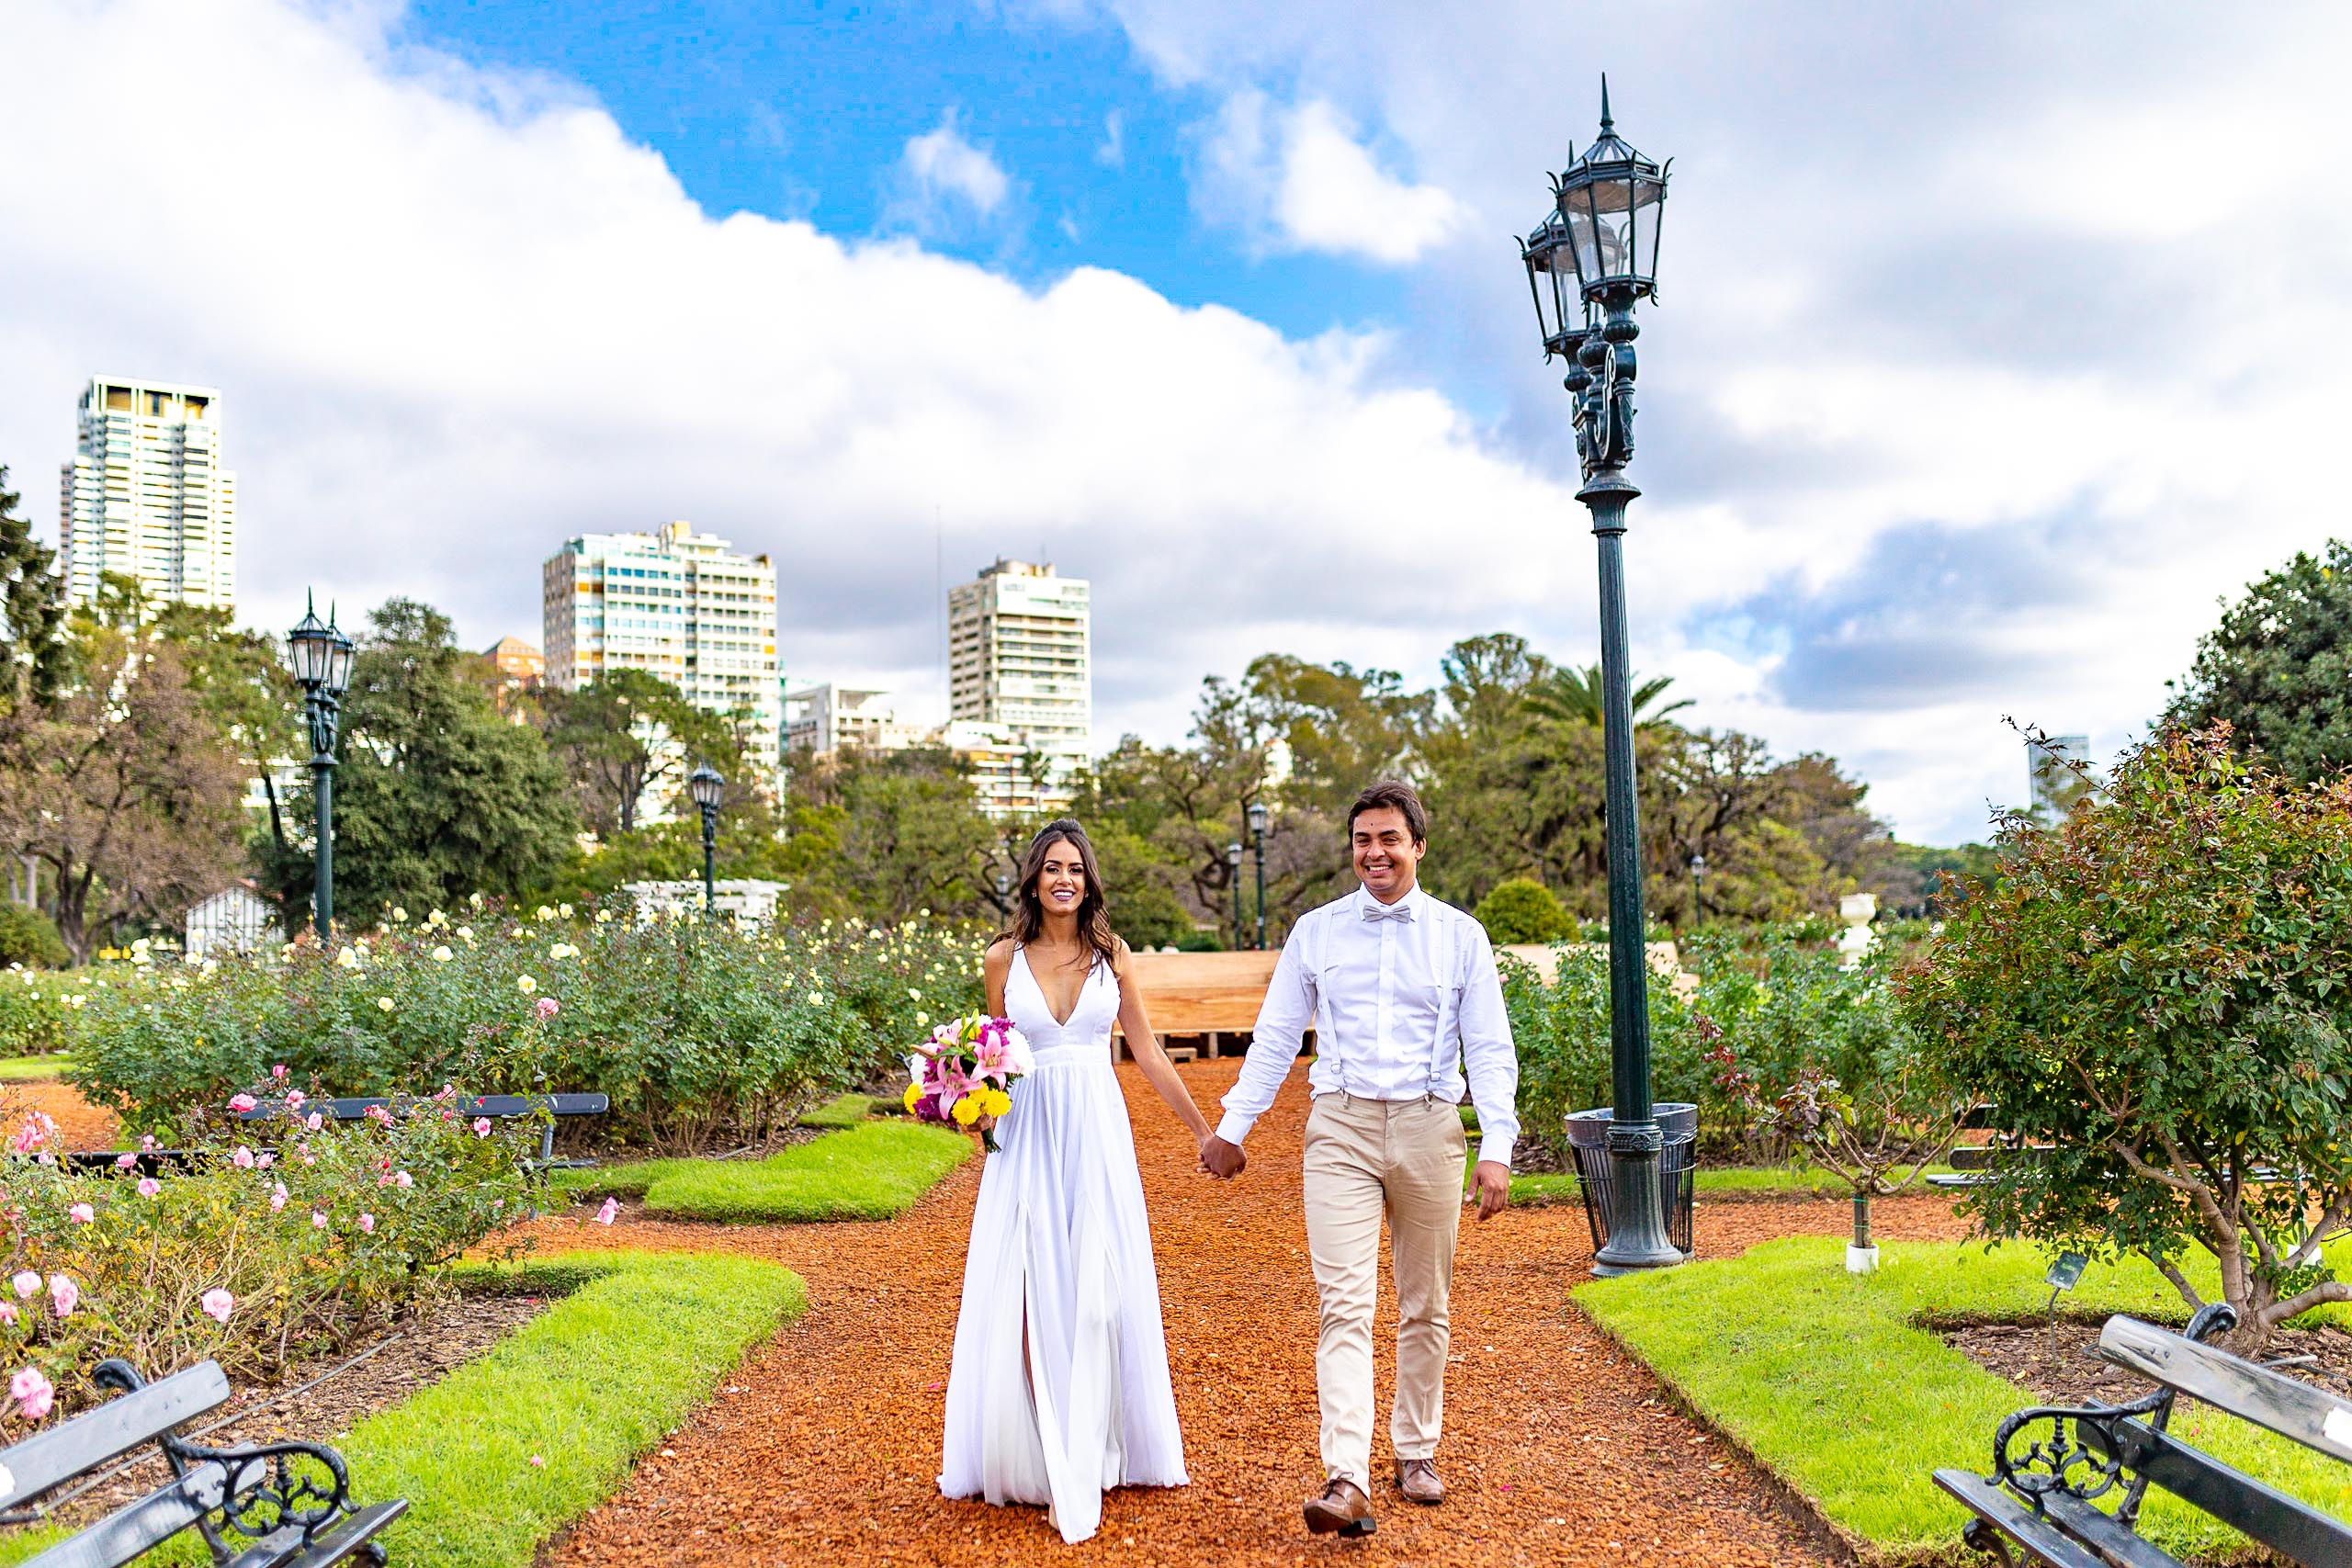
[1399, 911]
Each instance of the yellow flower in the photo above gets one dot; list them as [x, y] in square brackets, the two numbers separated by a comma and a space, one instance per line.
[384, 1002]
[347, 959]
[526, 985]
[564, 909]
[400, 915]
[995, 1101]
[967, 1111]
[442, 955]
[914, 1092]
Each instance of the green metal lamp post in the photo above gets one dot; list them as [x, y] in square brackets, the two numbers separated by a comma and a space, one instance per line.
[1233, 875]
[1697, 889]
[1258, 815]
[320, 655]
[709, 787]
[1594, 256]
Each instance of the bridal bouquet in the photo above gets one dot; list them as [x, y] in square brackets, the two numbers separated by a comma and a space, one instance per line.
[961, 1073]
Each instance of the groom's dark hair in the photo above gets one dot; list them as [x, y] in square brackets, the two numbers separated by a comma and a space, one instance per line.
[1395, 792]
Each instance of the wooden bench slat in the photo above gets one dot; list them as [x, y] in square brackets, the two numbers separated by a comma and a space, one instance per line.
[351, 1108]
[350, 1533]
[2098, 1530]
[2310, 1416]
[2284, 1524]
[1992, 1502]
[137, 1528]
[89, 1439]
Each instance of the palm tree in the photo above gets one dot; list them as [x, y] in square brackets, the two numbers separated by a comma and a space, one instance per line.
[1569, 695]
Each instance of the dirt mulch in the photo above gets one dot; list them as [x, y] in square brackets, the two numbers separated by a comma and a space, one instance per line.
[359, 1379]
[2060, 1361]
[80, 1124]
[824, 1447]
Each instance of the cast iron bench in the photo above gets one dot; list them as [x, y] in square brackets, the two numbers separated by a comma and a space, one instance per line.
[497, 1107]
[1973, 1165]
[2041, 1500]
[256, 1504]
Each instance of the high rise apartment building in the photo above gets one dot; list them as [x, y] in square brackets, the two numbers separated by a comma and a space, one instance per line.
[1020, 643]
[145, 495]
[821, 719]
[681, 604]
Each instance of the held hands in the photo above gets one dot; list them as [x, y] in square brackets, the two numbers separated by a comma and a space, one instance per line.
[1492, 1181]
[1223, 1160]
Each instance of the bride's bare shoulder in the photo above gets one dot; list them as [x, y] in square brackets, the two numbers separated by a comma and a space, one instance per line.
[999, 956]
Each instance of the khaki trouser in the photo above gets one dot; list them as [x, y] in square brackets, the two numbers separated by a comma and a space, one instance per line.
[1364, 1158]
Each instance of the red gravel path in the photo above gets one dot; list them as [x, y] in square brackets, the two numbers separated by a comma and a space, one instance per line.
[1559, 1450]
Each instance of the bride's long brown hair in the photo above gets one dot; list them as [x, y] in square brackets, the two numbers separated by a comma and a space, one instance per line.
[1093, 913]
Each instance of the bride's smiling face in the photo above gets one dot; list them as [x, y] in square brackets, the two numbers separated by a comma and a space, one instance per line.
[1061, 879]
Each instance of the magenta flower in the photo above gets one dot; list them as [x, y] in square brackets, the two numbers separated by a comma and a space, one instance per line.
[81, 1213]
[317, 1220]
[546, 1006]
[33, 1392]
[218, 1304]
[38, 1130]
[377, 1114]
[243, 1159]
[538, 1464]
[605, 1215]
[241, 1102]
[64, 1294]
[277, 1073]
[481, 1126]
[148, 1187]
[25, 1283]
[296, 1100]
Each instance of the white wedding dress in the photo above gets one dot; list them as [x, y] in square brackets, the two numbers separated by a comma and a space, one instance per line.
[1060, 1388]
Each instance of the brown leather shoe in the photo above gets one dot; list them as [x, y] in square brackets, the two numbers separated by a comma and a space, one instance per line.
[1342, 1509]
[1417, 1479]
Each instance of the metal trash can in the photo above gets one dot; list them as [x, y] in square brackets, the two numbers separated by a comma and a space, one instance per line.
[1678, 1168]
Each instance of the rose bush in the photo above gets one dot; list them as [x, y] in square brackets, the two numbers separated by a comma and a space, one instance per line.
[695, 1030]
[284, 1240]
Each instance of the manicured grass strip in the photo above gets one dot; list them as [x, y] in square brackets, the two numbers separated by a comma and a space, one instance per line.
[847, 1111]
[590, 1386]
[27, 1069]
[1830, 1382]
[875, 1170]
[1761, 1181]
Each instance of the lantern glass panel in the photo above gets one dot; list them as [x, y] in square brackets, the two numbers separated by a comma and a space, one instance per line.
[706, 784]
[335, 674]
[307, 650]
[1612, 224]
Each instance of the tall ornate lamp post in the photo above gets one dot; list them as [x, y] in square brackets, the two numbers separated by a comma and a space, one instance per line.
[709, 787]
[1593, 256]
[1698, 888]
[1003, 893]
[1233, 875]
[1258, 815]
[320, 656]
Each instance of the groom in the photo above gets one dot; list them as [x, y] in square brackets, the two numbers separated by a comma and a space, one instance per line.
[1403, 994]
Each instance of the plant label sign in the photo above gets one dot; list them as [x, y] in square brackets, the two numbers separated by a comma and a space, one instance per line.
[2067, 1272]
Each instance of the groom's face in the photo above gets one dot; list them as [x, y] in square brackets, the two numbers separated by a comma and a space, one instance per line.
[1386, 858]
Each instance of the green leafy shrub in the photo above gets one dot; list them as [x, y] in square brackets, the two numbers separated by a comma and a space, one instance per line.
[1768, 1002]
[2160, 988]
[695, 1030]
[30, 937]
[39, 1014]
[284, 1240]
[1522, 911]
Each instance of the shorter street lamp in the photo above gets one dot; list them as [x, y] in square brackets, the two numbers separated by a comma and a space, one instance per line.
[1698, 888]
[1258, 847]
[320, 656]
[1003, 891]
[1233, 875]
[708, 786]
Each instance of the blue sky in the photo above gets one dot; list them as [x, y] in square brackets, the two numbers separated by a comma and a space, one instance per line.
[1996, 341]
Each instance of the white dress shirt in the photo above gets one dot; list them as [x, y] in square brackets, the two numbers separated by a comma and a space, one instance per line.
[1402, 997]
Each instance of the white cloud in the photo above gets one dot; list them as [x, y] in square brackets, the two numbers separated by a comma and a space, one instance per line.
[941, 162]
[1297, 179]
[456, 320]
[1113, 152]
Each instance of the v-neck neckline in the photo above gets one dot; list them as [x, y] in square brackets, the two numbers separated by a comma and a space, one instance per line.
[1075, 1003]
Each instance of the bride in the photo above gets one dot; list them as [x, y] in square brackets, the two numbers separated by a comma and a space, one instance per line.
[1061, 1388]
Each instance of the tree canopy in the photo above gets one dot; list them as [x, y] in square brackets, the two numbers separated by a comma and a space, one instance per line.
[2278, 667]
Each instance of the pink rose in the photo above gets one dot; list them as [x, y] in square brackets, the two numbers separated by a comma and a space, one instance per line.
[278, 1198]
[313, 1122]
[367, 1223]
[81, 1213]
[33, 1392]
[481, 1126]
[25, 1283]
[264, 1161]
[149, 1187]
[377, 1114]
[400, 1178]
[296, 1100]
[605, 1215]
[146, 1142]
[241, 1104]
[125, 1162]
[218, 1304]
[317, 1220]
[36, 1130]
[538, 1464]
[8, 1313]
[277, 1073]
[243, 1159]
[64, 1294]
